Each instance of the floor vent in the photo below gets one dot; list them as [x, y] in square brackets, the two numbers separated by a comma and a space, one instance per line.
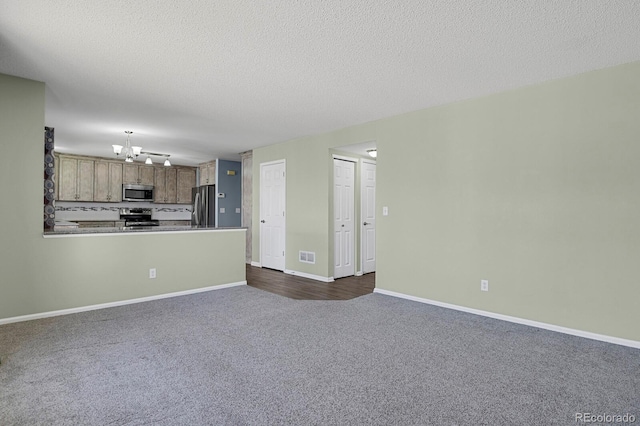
[307, 257]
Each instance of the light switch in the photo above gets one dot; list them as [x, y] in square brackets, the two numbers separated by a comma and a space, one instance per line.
[222, 210]
[385, 211]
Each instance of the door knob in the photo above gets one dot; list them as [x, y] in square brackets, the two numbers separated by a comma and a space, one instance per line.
[366, 223]
[262, 221]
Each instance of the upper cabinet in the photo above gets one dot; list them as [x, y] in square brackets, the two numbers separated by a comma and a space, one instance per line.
[107, 182]
[207, 173]
[173, 185]
[165, 190]
[186, 181]
[138, 174]
[76, 179]
[100, 180]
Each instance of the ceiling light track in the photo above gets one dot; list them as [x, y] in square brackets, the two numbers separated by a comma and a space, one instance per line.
[156, 154]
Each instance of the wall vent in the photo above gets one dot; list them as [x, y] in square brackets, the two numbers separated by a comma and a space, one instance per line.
[307, 257]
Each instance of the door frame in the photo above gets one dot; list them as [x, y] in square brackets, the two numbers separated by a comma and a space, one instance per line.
[284, 227]
[362, 161]
[356, 162]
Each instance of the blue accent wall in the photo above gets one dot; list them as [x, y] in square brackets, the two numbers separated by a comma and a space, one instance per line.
[231, 186]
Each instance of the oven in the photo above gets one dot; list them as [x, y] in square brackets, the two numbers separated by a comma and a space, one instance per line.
[135, 218]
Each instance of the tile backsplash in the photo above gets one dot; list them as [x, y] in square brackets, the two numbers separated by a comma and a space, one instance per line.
[71, 211]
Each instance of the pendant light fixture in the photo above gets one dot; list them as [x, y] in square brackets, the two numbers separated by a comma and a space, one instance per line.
[128, 152]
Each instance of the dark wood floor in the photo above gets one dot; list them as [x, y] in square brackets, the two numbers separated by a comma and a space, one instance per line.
[303, 288]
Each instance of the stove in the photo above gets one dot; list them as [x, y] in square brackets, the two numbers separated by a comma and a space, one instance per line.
[137, 217]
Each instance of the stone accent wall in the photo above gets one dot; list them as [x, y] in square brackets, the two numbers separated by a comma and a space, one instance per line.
[49, 180]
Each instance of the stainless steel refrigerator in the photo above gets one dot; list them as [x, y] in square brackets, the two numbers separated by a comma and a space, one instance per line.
[203, 203]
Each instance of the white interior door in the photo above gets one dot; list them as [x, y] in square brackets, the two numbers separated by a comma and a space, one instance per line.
[368, 210]
[343, 206]
[272, 215]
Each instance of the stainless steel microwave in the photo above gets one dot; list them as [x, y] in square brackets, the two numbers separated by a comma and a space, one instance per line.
[137, 192]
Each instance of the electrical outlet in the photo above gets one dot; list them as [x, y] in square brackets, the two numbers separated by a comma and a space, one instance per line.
[152, 273]
[484, 285]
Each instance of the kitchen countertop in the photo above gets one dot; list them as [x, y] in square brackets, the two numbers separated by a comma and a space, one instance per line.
[129, 230]
[65, 224]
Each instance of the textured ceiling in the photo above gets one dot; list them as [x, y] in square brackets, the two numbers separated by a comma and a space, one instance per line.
[204, 79]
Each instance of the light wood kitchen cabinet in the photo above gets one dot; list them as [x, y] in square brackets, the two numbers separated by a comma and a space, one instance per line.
[138, 174]
[108, 182]
[56, 174]
[76, 179]
[173, 184]
[98, 179]
[186, 181]
[207, 173]
[166, 185]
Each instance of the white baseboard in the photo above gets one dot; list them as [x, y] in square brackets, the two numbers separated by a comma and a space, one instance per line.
[551, 327]
[113, 304]
[310, 276]
[256, 264]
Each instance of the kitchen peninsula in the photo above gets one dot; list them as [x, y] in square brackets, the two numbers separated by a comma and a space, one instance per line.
[58, 274]
[134, 230]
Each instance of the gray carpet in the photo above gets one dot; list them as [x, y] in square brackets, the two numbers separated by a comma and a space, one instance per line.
[241, 356]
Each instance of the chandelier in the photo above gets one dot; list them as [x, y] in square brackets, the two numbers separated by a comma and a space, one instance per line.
[130, 152]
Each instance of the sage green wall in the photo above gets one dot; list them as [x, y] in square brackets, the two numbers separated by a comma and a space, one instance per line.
[536, 189]
[46, 274]
[309, 166]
